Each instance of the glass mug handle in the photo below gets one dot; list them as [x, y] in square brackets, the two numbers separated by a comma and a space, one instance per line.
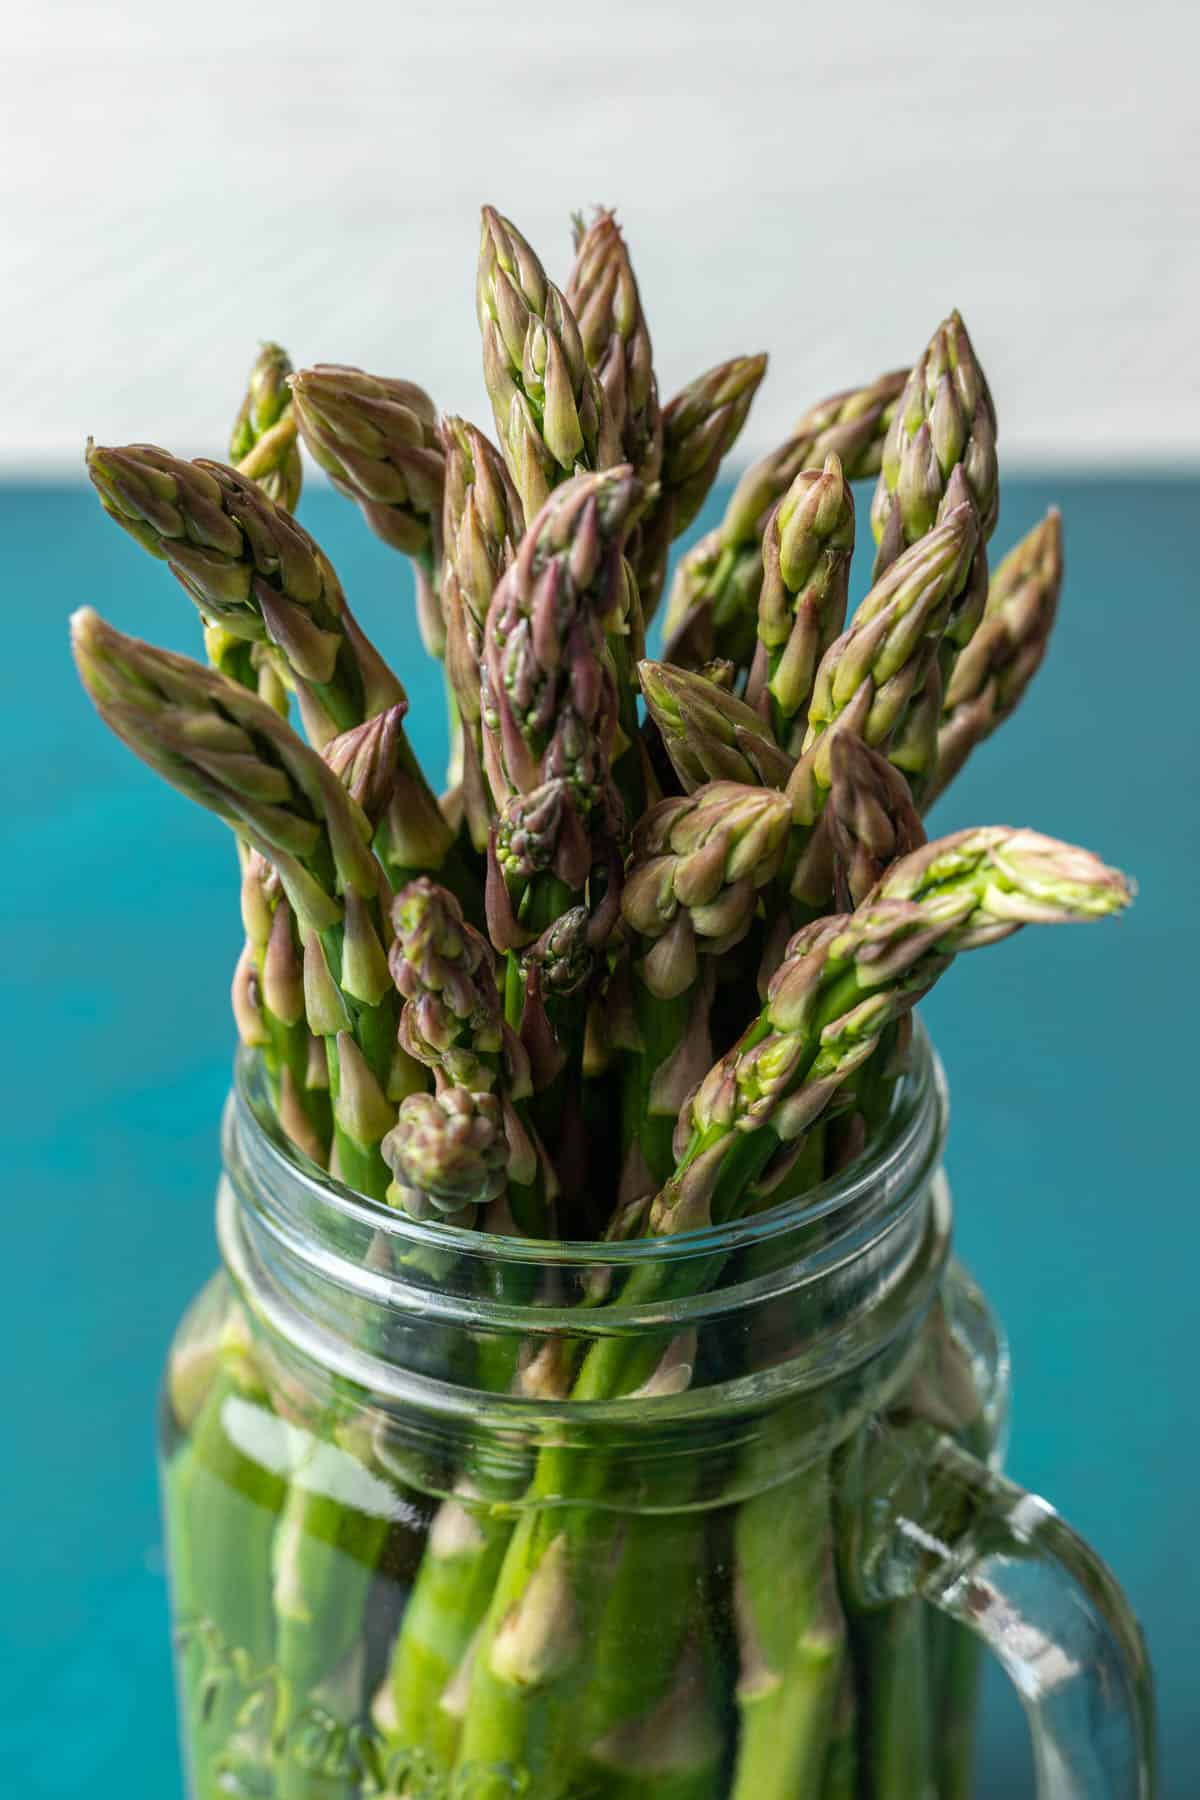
[934, 1522]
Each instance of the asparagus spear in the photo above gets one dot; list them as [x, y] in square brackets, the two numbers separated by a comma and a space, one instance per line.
[845, 978]
[708, 733]
[944, 419]
[807, 545]
[990, 677]
[692, 885]
[940, 451]
[842, 982]
[448, 1154]
[715, 594]
[268, 989]
[460, 1148]
[223, 1506]
[872, 820]
[552, 414]
[268, 1005]
[603, 293]
[452, 1020]
[263, 442]
[249, 567]
[482, 522]
[792, 1638]
[374, 762]
[667, 1743]
[701, 424]
[253, 569]
[376, 438]
[868, 676]
[550, 718]
[231, 753]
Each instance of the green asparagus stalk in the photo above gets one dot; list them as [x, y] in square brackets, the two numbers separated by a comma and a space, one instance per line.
[250, 568]
[792, 1637]
[450, 1153]
[482, 522]
[551, 706]
[552, 414]
[223, 1505]
[841, 1778]
[268, 1006]
[872, 820]
[708, 733]
[991, 675]
[891, 1651]
[257, 573]
[374, 762]
[700, 427]
[651, 1723]
[268, 989]
[807, 545]
[940, 452]
[231, 753]
[869, 676]
[453, 1024]
[376, 438]
[844, 980]
[263, 443]
[944, 419]
[602, 291]
[698, 866]
[263, 447]
[546, 677]
[714, 598]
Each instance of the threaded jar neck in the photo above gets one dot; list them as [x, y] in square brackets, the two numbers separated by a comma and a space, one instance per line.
[786, 1301]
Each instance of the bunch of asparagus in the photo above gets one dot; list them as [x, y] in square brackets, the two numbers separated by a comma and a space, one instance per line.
[645, 965]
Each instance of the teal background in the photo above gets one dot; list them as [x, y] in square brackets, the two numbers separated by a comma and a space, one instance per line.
[1070, 1056]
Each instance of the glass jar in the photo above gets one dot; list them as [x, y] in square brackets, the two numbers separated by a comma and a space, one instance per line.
[419, 1550]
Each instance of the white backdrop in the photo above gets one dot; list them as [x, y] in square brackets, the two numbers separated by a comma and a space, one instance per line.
[823, 182]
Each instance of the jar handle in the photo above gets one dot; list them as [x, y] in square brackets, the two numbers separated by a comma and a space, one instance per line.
[937, 1523]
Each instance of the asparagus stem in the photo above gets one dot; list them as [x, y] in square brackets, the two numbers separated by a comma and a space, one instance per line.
[263, 443]
[869, 676]
[222, 1508]
[550, 719]
[807, 545]
[256, 573]
[844, 980]
[377, 440]
[708, 733]
[994, 670]
[692, 887]
[897, 1741]
[700, 426]
[872, 820]
[670, 1748]
[602, 291]
[841, 1779]
[482, 521]
[715, 595]
[793, 1638]
[940, 452]
[552, 413]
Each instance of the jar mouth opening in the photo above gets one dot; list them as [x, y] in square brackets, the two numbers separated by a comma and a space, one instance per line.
[908, 1142]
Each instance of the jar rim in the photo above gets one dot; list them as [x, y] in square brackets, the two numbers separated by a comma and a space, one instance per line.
[906, 1147]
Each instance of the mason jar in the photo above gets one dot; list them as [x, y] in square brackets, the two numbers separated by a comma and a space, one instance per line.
[710, 1517]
